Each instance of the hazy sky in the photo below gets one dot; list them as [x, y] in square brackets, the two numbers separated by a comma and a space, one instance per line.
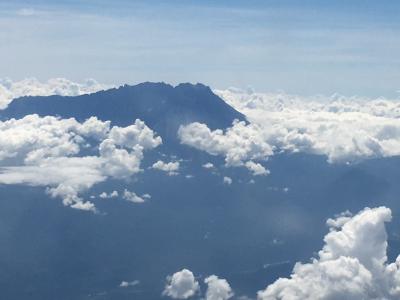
[348, 47]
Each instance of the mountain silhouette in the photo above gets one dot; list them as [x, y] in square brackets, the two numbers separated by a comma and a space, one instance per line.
[161, 106]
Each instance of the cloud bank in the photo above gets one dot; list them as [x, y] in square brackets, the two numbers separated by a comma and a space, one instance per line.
[10, 90]
[47, 151]
[344, 129]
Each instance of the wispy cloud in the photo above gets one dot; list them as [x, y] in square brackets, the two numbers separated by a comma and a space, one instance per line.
[26, 12]
[271, 47]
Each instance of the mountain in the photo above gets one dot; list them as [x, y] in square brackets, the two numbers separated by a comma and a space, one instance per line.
[250, 231]
[161, 106]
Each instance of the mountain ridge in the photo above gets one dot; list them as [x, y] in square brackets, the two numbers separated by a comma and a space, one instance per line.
[161, 106]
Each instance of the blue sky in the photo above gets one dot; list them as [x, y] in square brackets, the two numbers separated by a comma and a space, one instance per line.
[316, 47]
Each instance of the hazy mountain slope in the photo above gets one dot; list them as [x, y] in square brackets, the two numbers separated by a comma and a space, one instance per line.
[163, 107]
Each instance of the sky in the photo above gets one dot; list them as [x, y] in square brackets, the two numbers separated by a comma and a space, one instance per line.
[316, 47]
[223, 203]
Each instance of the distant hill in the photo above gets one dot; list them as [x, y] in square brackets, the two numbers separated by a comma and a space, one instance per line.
[163, 107]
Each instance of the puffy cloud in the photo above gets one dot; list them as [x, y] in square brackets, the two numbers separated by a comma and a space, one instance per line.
[132, 197]
[134, 135]
[256, 168]
[227, 180]
[113, 194]
[146, 196]
[126, 284]
[181, 285]
[10, 90]
[119, 162]
[208, 165]
[238, 143]
[343, 129]
[217, 289]
[351, 265]
[171, 168]
[46, 151]
[37, 138]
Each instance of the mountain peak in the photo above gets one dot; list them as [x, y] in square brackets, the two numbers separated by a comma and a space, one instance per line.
[162, 106]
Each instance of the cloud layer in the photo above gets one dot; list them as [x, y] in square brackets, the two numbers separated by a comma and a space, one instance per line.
[345, 130]
[47, 151]
[10, 90]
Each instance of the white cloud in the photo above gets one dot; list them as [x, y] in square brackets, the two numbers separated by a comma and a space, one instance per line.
[227, 180]
[10, 90]
[126, 284]
[113, 194]
[134, 135]
[171, 168]
[256, 168]
[208, 165]
[37, 138]
[132, 197]
[343, 129]
[181, 285]
[146, 196]
[217, 289]
[238, 143]
[351, 265]
[46, 151]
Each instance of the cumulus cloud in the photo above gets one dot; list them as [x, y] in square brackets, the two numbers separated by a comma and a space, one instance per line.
[126, 284]
[351, 265]
[227, 180]
[181, 285]
[36, 138]
[146, 196]
[10, 90]
[238, 144]
[208, 165]
[113, 194]
[132, 197]
[46, 151]
[217, 288]
[344, 129]
[256, 168]
[171, 168]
